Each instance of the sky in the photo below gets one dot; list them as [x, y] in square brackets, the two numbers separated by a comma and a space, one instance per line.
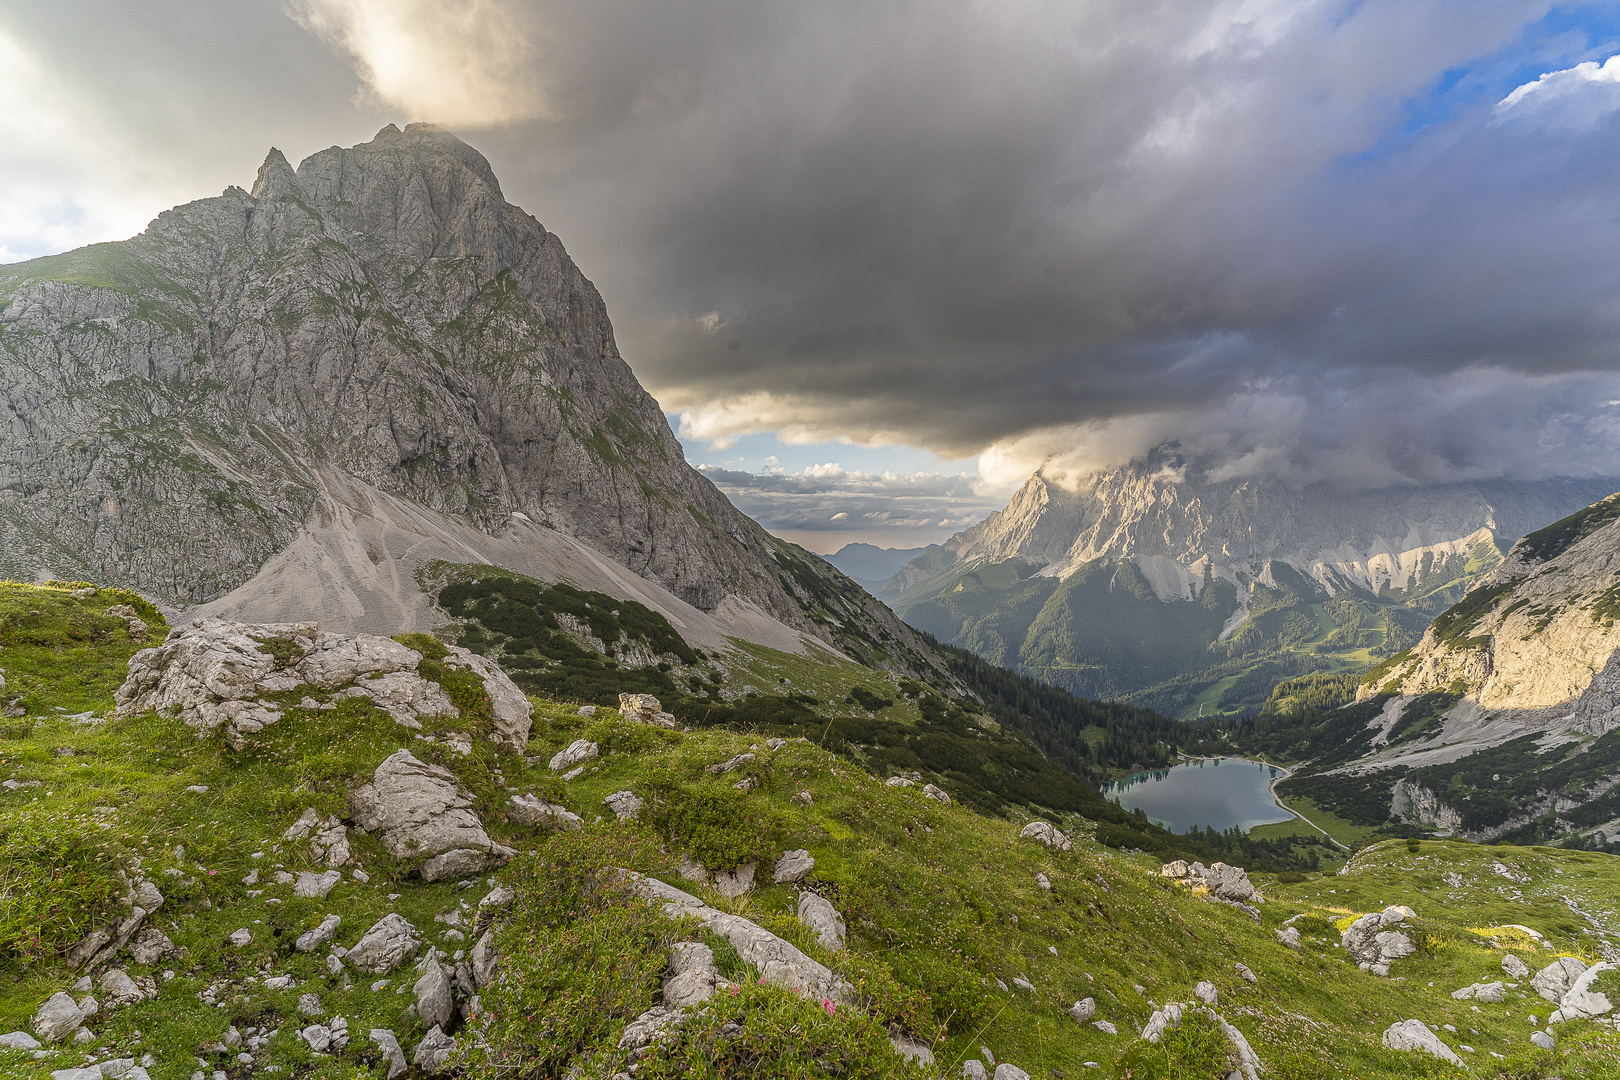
[881, 260]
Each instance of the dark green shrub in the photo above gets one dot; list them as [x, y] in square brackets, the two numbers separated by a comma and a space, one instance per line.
[762, 1032]
[867, 699]
[719, 827]
[1315, 924]
[581, 954]
[1195, 1050]
[53, 883]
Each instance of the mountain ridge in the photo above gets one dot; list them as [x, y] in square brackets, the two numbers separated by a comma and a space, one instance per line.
[1156, 585]
[168, 404]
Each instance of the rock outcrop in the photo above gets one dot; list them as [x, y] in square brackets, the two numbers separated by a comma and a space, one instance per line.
[1535, 650]
[1223, 882]
[1377, 940]
[1046, 833]
[388, 942]
[1554, 981]
[778, 962]
[420, 810]
[213, 672]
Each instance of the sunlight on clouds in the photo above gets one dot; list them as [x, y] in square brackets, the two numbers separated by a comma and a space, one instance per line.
[1576, 97]
[718, 423]
[459, 62]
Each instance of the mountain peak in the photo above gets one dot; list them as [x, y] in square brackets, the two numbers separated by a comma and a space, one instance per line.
[276, 178]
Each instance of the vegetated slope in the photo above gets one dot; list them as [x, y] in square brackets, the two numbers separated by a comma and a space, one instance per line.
[262, 372]
[1501, 722]
[1008, 741]
[943, 907]
[1157, 585]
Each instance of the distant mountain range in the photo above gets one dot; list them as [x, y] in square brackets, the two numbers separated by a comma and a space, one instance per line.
[1156, 584]
[871, 565]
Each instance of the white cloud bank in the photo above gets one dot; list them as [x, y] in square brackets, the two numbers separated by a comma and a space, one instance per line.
[1576, 98]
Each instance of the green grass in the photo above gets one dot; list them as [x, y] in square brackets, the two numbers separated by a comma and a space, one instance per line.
[1338, 828]
[940, 902]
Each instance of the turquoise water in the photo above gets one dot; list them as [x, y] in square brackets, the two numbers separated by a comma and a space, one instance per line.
[1216, 792]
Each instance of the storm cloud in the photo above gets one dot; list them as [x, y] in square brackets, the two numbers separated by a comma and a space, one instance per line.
[1370, 241]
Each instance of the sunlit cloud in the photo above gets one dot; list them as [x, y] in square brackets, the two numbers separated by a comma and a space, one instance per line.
[460, 62]
[1575, 98]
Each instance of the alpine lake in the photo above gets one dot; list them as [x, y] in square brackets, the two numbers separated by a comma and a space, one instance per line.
[1216, 793]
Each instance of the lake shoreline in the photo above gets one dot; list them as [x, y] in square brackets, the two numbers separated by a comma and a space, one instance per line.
[1182, 797]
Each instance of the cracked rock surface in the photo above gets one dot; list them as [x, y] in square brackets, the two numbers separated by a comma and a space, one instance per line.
[418, 809]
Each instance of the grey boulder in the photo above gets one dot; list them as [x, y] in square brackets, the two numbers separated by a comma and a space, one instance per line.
[575, 753]
[693, 974]
[1415, 1035]
[1553, 981]
[435, 1001]
[418, 809]
[119, 989]
[310, 886]
[57, 1018]
[1046, 833]
[380, 949]
[389, 1045]
[733, 883]
[314, 938]
[486, 958]
[530, 810]
[432, 1054]
[624, 804]
[793, 866]
[822, 918]
[1580, 1000]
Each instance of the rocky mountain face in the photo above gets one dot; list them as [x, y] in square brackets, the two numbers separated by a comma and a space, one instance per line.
[1158, 581]
[374, 336]
[1530, 661]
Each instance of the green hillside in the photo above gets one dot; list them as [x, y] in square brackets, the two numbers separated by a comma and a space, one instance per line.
[942, 902]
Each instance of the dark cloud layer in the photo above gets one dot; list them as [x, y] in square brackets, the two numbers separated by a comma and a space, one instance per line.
[1301, 235]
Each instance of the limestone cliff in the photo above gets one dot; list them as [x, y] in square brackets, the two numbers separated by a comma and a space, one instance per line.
[1537, 642]
[179, 408]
